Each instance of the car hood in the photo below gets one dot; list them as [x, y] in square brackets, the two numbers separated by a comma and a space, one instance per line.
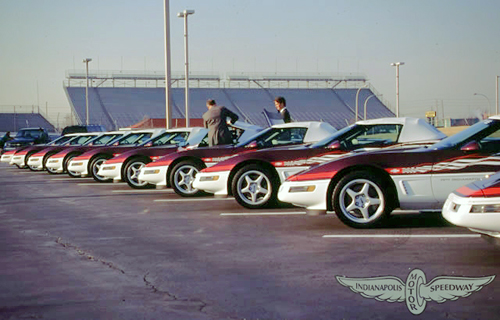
[21, 140]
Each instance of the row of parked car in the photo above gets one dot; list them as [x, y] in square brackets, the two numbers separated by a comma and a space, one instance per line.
[361, 172]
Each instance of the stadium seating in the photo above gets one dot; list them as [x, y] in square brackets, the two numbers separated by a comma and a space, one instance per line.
[115, 107]
[15, 121]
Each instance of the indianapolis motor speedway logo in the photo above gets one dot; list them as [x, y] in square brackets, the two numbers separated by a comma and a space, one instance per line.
[415, 292]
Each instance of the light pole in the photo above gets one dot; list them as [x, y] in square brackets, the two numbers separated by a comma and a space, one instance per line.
[489, 104]
[86, 61]
[397, 64]
[366, 101]
[185, 15]
[168, 100]
[357, 101]
[496, 89]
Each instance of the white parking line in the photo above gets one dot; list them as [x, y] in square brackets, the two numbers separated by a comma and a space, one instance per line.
[261, 213]
[192, 200]
[145, 191]
[95, 184]
[402, 236]
[64, 179]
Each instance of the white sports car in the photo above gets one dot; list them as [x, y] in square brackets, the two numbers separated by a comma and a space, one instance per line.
[363, 189]
[476, 206]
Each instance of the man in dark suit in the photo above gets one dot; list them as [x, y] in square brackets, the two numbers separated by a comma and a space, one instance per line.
[280, 104]
[215, 119]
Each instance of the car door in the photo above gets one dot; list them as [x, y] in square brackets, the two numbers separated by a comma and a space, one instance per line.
[477, 158]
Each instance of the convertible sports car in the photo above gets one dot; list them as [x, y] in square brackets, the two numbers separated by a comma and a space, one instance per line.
[90, 161]
[179, 169]
[126, 165]
[477, 206]
[38, 160]
[363, 189]
[254, 177]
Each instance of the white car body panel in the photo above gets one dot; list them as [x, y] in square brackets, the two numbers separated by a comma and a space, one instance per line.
[315, 200]
[159, 179]
[79, 166]
[17, 160]
[56, 164]
[485, 223]
[35, 162]
[111, 171]
[6, 158]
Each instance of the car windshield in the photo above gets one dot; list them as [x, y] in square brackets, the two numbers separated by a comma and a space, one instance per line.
[81, 140]
[29, 134]
[277, 136]
[133, 138]
[252, 138]
[326, 141]
[464, 135]
[197, 138]
[104, 139]
[175, 138]
[61, 140]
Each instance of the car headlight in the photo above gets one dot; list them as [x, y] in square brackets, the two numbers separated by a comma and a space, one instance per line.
[209, 178]
[302, 189]
[151, 171]
[489, 208]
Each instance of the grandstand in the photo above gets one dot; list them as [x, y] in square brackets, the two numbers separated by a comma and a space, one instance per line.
[118, 99]
[15, 121]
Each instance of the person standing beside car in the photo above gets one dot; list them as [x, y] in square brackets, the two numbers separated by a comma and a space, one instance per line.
[280, 104]
[215, 120]
[5, 138]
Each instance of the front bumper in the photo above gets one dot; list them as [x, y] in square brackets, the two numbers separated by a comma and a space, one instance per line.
[457, 209]
[6, 157]
[56, 164]
[80, 166]
[154, 175]
[18, 160]
[111, 171]
[314, 200]
[36, 162]
[212, 182]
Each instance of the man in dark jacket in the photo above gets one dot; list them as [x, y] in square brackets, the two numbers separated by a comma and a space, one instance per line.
[280, 104]
[215, 119]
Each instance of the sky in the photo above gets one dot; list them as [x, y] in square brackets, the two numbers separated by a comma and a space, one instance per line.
[450, 47]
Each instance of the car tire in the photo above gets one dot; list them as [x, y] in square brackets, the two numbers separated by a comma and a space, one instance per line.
[72, 174]
[182, 177]
[131, 173]
[255, 187]
[361, 200]
[95, 164]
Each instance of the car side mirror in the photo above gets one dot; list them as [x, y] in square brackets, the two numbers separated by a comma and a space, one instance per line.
[471, 146]
[252, 145]
[335, 145]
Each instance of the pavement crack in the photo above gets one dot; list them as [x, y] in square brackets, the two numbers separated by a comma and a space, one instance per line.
[87, 255]
[195, 303]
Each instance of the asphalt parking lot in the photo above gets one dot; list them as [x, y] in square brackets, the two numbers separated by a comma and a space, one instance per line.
[78, 249]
